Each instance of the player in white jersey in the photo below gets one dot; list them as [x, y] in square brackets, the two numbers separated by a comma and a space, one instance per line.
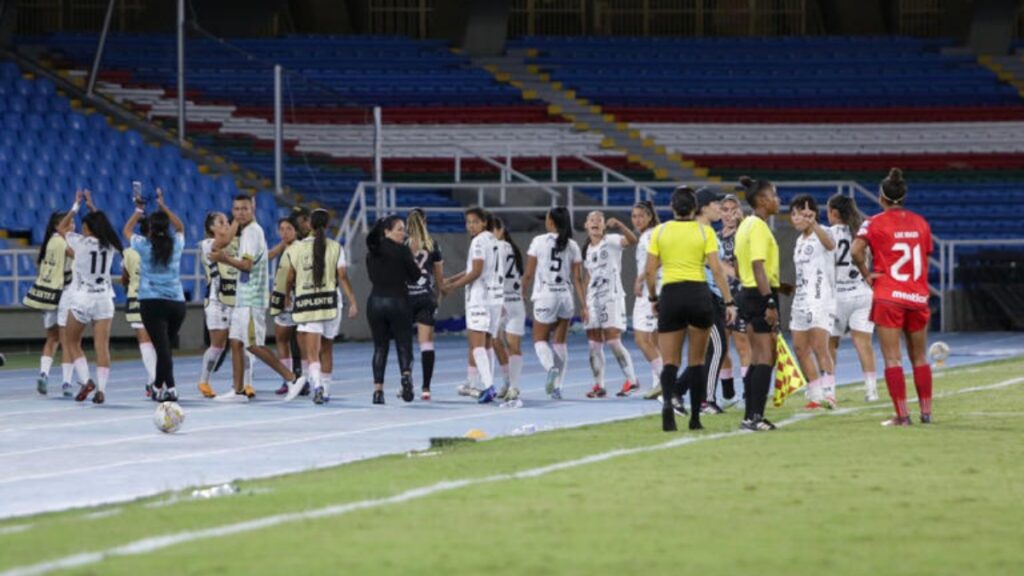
[508, 344]
[220, 297]
[606, 299]
[555, 262]
[92, 296]
[484, 298]
[814, 302]
[853, 294]
[645, 319]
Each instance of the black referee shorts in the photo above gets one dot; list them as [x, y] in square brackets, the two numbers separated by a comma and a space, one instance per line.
[685, 304]
[753, 307]
[424, 309]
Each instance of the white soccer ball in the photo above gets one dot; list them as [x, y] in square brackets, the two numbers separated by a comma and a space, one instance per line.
[168, 417]
[938, 352]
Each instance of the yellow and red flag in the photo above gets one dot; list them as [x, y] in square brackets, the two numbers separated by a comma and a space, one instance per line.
[788, 377]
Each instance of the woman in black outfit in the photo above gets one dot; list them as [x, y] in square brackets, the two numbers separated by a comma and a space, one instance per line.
[391, 267]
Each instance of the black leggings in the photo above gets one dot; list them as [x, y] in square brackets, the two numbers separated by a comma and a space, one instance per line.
[390, 317]
[163, 319]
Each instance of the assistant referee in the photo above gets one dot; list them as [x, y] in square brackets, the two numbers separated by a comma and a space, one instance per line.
[681, 248]
[757, 257]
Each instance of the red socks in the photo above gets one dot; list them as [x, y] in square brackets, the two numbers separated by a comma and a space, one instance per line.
[897, 385]
[923, 383]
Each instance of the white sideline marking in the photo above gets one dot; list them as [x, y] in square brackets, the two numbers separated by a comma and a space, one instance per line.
[154, 543]
[14, 529]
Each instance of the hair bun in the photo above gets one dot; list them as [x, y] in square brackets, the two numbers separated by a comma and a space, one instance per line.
[747, 182]
[895, 175]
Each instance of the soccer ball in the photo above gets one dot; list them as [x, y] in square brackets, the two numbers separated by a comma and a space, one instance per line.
[168, 417]
[938, 353]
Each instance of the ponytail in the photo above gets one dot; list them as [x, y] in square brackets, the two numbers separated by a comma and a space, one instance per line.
[318, 222]
[894, 187]
[499, 224]
[160, 237]
[416, 224]
[560, 217]
[849, 214]
[51, 229]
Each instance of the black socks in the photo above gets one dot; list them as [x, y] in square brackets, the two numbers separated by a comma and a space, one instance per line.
[427, 357]
[758, 382]
[668, 390]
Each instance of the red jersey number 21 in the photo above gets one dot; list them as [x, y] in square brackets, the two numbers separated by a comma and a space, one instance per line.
[906, 255]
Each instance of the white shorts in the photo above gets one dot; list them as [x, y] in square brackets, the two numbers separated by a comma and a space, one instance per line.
[249, 326]
[325, 328]
[551, 309]
[606, 314]
[89, 307]
[218, 316]
[644, 317]
[513, 318]
[804, 317]
[284, 320]
[63, 307]
[853, 314]
[483, 319]
[49, 319]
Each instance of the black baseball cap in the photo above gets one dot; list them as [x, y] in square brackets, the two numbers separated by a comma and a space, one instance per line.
[706, 196]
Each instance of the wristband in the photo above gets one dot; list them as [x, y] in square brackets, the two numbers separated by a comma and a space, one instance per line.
[75, 207]
[139, 211]
[770, 303]
[730, 303]
[652, 298]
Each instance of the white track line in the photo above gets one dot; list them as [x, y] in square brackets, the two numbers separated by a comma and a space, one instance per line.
[154, 543]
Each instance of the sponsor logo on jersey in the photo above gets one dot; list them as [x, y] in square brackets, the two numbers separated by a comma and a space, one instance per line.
[909, 297]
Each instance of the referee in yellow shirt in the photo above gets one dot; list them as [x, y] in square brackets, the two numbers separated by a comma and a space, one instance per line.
[757, 256]
[681, 247]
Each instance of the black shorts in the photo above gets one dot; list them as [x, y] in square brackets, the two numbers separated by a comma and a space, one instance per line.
[684, 304]
[424, 309]
[753, 307]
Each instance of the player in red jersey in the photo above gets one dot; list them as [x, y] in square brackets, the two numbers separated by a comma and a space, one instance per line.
[900, 243]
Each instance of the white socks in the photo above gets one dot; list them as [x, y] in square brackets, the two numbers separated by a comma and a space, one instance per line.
[815, 393]
[597, 361]
[483, 366]
[515, 369]
[209, 363]
[828, 384]
[561, 361]
[545, 355]
[473, 375]
[102, 375]
[656, 366]
[313, 375]
[149, 360]
[82, 369]
[325, 383]
[67, 370]
[624, 359]
[870, 381]
[250, 367]
[45, 362]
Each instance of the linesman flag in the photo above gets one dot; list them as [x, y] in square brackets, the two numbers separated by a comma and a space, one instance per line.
[788, 378]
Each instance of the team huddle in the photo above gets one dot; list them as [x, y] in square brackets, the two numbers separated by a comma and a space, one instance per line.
[712, 288]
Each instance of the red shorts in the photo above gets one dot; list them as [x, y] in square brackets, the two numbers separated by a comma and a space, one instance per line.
[890, 315]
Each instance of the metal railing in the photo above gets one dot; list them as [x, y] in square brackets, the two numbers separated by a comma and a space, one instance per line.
[19, 275]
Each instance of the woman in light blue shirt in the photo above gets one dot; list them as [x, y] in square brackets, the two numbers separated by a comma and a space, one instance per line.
[161, 298]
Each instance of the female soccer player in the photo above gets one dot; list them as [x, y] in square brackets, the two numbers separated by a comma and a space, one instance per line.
[814, 303]
[220, 295]
[681, 248]
[757, 259]
[316, 271]
[425, 293]
[284, 325]
[92, 296]
[732, 216]
[161, 298]
[131, 269]
[47, 296]
[900, 243]
[484, 299]
[606, 299]
[555, 261]
[645, 319]
[391, 267]
[508, 344]
[853, 293]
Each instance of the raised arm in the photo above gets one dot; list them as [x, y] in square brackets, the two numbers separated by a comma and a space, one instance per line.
[67, 223]
[175, 221]
[628, 237]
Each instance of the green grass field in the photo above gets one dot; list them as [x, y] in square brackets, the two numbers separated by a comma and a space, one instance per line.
[833, 494]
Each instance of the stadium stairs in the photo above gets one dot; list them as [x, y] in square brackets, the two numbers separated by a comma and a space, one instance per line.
[586, 116]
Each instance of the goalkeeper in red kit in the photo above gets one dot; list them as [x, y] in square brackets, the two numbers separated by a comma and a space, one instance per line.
[900, 242]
